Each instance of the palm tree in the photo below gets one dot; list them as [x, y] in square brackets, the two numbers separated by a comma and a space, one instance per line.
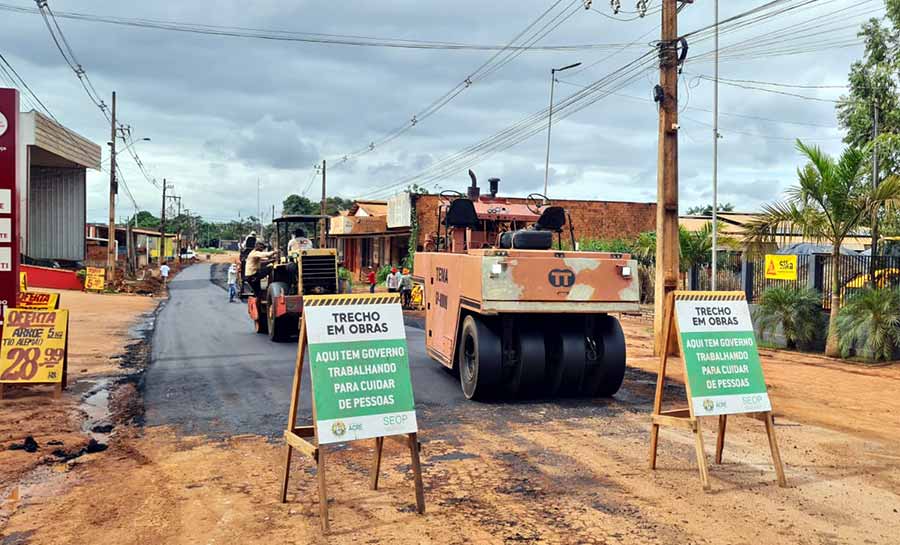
[695, 247]
[832, 200]
[870, 324]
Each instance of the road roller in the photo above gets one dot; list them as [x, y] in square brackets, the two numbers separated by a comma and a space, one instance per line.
[512, 306]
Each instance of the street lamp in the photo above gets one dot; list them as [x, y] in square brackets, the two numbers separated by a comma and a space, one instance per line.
[553, 72]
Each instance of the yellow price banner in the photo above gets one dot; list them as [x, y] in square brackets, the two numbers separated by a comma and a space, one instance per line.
[781, 267]
[33, 346]
[95, 279]
[38, 301]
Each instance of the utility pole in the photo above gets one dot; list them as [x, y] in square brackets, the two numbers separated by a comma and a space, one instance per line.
[667, 244]
[872, 260]
[715, 172]
[113, 189]
[323, 222]
[258, 210]
[162, 226]
[178, 237]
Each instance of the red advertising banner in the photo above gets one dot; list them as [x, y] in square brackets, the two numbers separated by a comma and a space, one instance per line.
[9, 210]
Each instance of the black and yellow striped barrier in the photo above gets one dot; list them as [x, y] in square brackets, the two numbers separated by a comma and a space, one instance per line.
[350, 299]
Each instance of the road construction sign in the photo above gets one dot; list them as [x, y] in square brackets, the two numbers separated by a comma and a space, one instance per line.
[38, 300]
[95, 279]
[360, 385]
[359, 366]
[781, 267]
[33, 346]
[722, 372]
[720, 356]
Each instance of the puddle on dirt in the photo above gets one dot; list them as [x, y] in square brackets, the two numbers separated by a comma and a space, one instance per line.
[98, 423]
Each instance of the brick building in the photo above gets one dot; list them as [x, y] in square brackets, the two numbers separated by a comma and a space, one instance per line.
[375, 234]
[591, 219]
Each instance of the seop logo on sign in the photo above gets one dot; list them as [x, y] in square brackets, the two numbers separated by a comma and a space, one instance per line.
[721, 358]
[360, 368]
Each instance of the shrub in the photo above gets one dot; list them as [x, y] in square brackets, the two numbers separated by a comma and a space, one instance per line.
[797, 310]
[382, 273]
[869, 324]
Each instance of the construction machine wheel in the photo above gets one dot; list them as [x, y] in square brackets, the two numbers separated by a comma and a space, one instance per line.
[479, 359]
[565, 360]
[280, 328]
[605, 357]
[261, 325]
[530, 372]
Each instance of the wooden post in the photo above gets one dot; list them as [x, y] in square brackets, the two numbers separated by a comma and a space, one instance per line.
[295, 403]
[776, 455]
[667, 242]
[376, 464]
[720, 437]
[323, 490]
[661, 380]
[417, 472]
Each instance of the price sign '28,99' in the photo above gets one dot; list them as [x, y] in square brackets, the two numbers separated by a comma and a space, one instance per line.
[33, 347]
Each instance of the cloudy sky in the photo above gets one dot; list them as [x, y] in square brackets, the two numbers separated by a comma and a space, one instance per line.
[224, 112]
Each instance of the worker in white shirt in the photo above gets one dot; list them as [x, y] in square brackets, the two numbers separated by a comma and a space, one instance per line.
[298, 243]
[393, 281]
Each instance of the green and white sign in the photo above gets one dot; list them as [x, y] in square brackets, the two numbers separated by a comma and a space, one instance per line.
[720, 357]
[360, 368]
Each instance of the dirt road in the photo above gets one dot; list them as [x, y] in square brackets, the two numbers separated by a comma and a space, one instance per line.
[99, 327]
[813, 389]
[547, 471]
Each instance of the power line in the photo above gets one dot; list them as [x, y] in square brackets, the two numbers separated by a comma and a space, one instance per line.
[526, 39]
[725, 131]
[727, 114]
[527, 127]
[294, 36]
[68, 54]
[775, 91]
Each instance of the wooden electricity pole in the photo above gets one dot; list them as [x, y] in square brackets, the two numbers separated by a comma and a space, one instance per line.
[162, 227]
[667, 244]
[113, 189]
[323, 223]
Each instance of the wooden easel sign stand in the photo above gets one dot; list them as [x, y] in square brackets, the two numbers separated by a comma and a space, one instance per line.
[360, 383]
[722, 372]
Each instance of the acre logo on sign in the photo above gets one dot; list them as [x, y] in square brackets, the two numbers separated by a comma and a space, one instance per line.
[338, 428]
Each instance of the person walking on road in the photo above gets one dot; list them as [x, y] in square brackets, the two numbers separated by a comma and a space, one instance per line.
[393, 281]
[406, 286]
[164, 273]
[232, 282]
[371, 278]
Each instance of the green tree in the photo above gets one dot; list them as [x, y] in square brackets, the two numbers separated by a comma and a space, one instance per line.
[869, 324]
[707, 210]
[299, 205]
[333, 205]
[695, 247]
[146, 220]
[873, 83]
[796, 311]
[831, 201]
